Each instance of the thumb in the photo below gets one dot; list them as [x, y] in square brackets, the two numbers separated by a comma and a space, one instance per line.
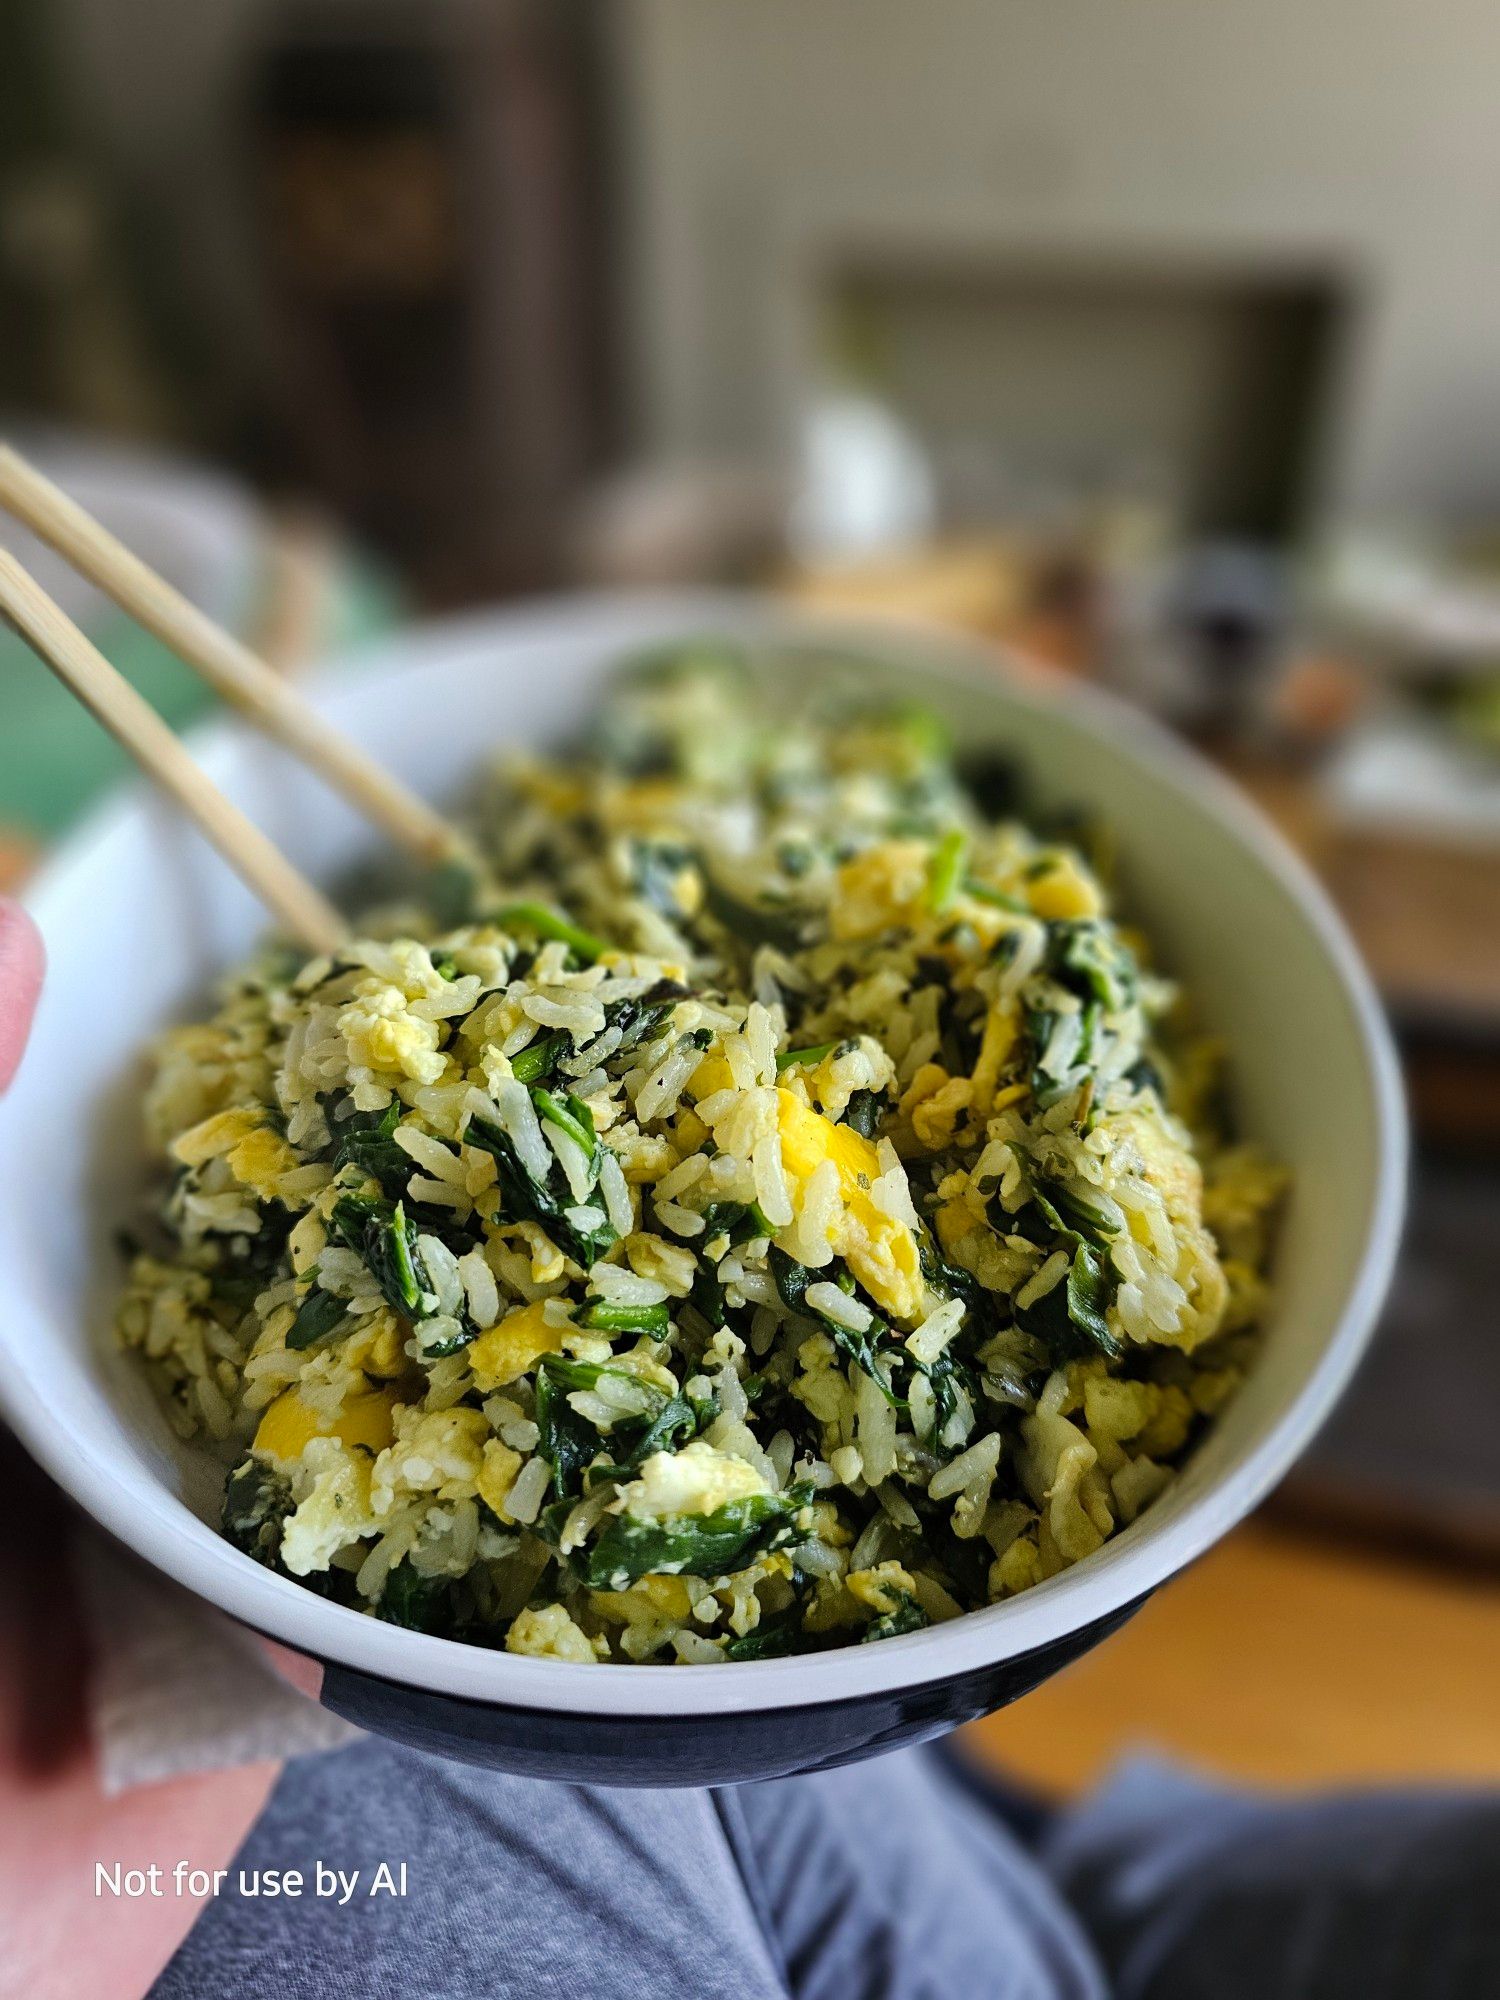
[22, 962]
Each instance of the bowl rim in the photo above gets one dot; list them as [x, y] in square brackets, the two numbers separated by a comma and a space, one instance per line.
[157, 1526]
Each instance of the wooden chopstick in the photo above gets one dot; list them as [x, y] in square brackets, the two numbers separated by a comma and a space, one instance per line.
[229, 667]
[129, 718]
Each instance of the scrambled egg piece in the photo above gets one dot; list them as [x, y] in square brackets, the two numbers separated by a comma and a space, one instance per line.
[880, 1251]
[433, 1451]
[214, 1136]
[713, 1074]
[695, 1480]
[1066, 890]
[882, 1587]
[334, 1513]
[1001, 1032]
[648, 1597]
[514, 1346]
[548, 1633]
[934, 1103]
[254, 1154]
[497, 1475]
[955, 1218]
[259, 1161]
[1171, 1169]
[885, 885]
[380, 1033]
[290, 1424]
[378, 1348]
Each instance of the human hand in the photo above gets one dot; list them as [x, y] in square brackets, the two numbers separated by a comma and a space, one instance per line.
[22, 962]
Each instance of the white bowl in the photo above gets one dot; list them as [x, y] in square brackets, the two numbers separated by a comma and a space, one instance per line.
[139, 916]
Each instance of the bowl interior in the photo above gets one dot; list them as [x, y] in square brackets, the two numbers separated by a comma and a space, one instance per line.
[140, 916]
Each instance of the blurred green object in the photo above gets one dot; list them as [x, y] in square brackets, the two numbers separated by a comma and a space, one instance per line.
[55, 760]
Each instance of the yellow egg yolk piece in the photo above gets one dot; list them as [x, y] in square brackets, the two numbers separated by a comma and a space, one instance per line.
[515, 1345]
[884, 885]
[290, 1424]
[1065, 890]
[879, 1250]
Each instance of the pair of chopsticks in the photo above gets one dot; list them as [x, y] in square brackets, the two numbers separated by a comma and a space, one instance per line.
[231, 669]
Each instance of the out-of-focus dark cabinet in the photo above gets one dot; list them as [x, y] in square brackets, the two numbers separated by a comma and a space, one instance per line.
[428, 190]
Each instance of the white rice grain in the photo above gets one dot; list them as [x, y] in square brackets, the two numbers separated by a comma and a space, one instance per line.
[439, 1160]
[977, 1463]
[621, 1287]
[1050, 1275]
[518, 1118]
[935, 1332]
[616, 1193]
[524, 1501]
[442, 1269]
[479, 1288]
[839, 1307]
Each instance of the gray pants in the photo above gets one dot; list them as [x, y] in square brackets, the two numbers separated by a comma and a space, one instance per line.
[887, 1881]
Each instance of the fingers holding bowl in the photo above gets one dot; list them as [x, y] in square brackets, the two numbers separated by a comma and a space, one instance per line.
[22, 963]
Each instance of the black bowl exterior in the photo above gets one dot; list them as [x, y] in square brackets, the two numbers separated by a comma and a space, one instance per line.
[646, 1750]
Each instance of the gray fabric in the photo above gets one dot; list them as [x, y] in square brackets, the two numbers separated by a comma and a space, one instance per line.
[881, 1880]
[516, 1887]
[888, 1881]
[1189, 1889]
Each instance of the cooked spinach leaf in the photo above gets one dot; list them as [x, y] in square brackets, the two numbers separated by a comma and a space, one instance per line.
[641, 1017]
[601, 1316]
[908, 1616]
[657, 868]
[569, 1114]
[566, 1440]
[364, 1139]
[1071, 1317]
[776, 1635]
[545, 923]
[572, 1445]
[715, 1544]
[418, 1602]
[381, 1233]
[945, 869]
[995, 781]
[740, 1221]
[862, 1348]
[451, 891]
[985, 892]
[536, 1062]
[1092, 961]
[792, 1280]
[947, 1377]
[257, 1500]
[582, 1230]
[778, 925]
[317, 1316]
[804, 1058]
[864, 1111]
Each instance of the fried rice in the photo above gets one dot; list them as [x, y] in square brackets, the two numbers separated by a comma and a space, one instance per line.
[768, 1202]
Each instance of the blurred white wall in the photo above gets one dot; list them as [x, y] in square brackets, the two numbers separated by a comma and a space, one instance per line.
[1356, 137]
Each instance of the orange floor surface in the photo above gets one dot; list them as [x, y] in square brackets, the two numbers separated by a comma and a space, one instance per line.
[1283, 1660]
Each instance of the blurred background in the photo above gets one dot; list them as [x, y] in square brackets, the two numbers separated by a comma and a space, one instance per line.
[1158, 343]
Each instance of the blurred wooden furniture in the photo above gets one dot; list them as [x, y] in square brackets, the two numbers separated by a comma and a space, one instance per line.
[1427, 916]
[429, 215]
[1425, 913]
[1278, 1660]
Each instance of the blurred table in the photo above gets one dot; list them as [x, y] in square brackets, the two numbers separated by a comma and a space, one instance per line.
[1279, 1660]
